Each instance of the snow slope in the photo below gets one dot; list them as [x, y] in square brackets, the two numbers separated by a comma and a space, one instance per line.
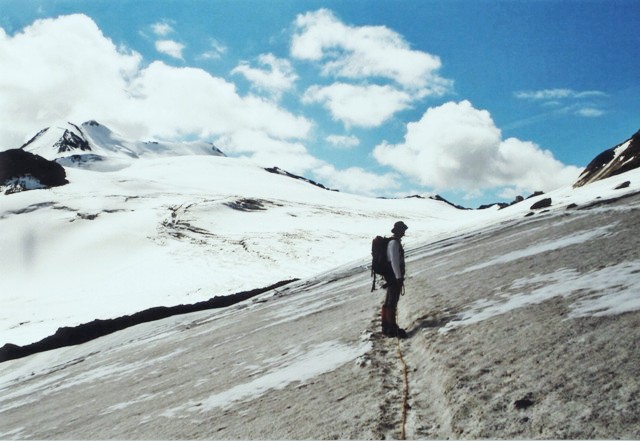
[520, 327]
[182, 229]
[492, 296]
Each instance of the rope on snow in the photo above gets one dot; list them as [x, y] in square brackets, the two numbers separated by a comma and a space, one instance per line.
[405, 397]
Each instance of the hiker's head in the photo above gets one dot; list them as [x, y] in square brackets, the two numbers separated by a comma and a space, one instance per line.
[399, 228]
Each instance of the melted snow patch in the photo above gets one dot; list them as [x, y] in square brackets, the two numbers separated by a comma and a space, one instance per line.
[608, 291]
[573, 239]
[298, 367]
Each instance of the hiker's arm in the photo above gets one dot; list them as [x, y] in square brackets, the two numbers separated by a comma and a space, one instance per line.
[393, 253]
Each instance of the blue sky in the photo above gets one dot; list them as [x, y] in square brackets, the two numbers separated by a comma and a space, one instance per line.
[475, 100]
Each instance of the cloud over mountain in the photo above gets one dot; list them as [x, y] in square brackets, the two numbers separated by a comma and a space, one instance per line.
[66, 69]
[330, 84]
[458, 146]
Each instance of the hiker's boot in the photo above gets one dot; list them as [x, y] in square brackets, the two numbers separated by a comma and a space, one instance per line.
[387, 325]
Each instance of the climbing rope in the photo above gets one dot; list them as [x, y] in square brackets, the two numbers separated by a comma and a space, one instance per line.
[405, 397]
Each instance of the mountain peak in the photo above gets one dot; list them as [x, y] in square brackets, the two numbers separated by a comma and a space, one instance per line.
[95, 146]
[614, 161]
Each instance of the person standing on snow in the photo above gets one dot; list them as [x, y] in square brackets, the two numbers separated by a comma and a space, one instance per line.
[395, 282]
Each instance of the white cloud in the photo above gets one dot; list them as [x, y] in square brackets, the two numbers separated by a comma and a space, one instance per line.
[59, 69]
[171, 48]
[65, 69]
[356, 180]
[556, 94]
[198, 103]
[276, 79]
[341, 141]
[589, 112]
[162, 28]
[216, 52]
[269, 151]
[455, 146]
[363, 106]
[567, 101]
[365, 51]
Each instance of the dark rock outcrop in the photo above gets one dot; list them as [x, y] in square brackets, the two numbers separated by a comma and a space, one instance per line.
[611, 162]
[70, 336]
[22, 170]
[542, 203]
[279, 171]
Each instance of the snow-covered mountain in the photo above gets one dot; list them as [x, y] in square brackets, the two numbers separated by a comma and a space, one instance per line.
[178, 229]
[93, 145]
[613, 161]
[522, 319]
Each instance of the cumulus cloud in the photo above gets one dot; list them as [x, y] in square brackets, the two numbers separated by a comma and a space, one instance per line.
[277, 78]
[365, 51]
[363, 106]
[384, 74]
[199, 103]
[60, 69]
[66, 69]
[269, 150]
[356, 180]
[171, 48]
[344, 142]
[456, 146]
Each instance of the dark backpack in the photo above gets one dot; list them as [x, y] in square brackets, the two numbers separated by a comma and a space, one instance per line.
[380, 264]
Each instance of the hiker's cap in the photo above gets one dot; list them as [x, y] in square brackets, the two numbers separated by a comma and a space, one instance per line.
[399, 227]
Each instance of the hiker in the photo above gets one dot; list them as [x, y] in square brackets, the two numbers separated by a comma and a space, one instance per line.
[394, 282]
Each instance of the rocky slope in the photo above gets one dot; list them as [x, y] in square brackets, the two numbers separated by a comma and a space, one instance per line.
[20, 171]
[613, 161]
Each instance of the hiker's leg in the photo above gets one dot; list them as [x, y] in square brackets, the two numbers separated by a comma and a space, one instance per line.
[384, 316]
[387, 318]
[391, 304]
[398, 331]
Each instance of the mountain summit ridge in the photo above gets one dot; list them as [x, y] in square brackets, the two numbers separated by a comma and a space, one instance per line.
[614, 161]
[94, 146]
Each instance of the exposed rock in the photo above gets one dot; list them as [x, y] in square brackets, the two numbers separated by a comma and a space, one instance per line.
[441, 199]
[21, 170]
[517, 200]
[69, 336]
[625, 184]
[611, 162]
[525, 402]
[500, 205]
[71, 142]
[279, 171]
[542, 203]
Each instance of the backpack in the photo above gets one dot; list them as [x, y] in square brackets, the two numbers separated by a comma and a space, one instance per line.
[380, 264]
